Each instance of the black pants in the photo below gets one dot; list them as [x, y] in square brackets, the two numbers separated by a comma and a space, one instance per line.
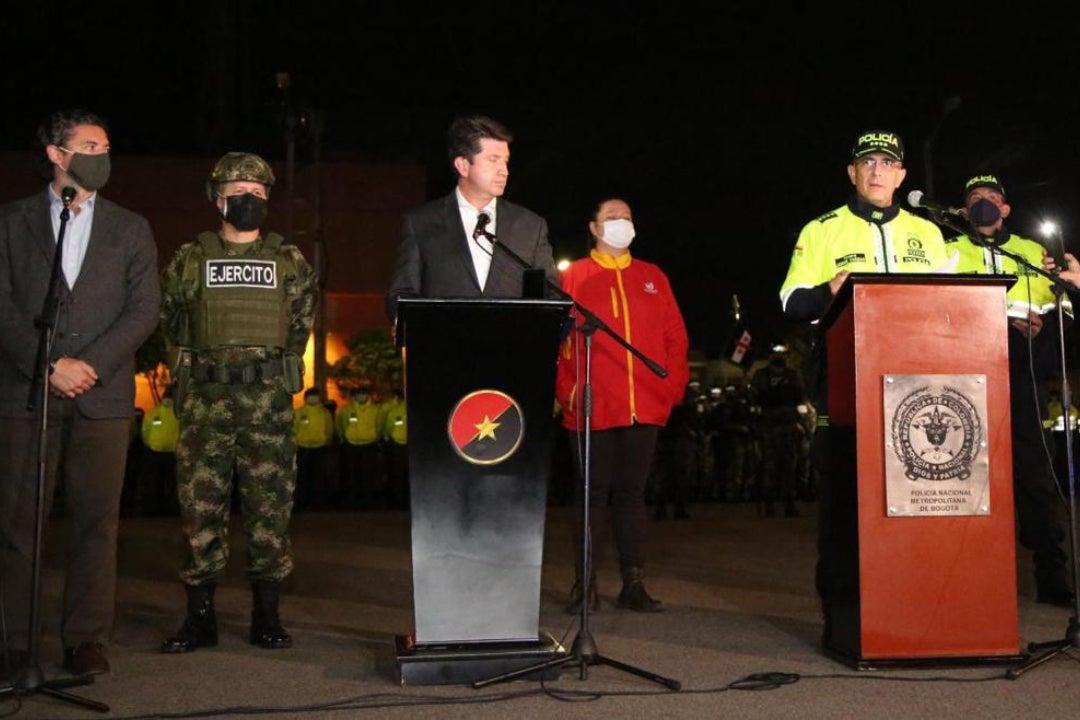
[1034, 493]
[397, 475]
[317, 478]
[363, 479]
[620, 460]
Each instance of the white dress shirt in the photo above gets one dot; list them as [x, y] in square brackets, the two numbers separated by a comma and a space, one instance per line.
[480, 248]
[76, 233]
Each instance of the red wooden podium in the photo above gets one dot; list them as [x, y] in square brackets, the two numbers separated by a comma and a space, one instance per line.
[915, 582]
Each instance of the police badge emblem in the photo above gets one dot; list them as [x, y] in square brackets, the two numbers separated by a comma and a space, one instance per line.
[939, 459]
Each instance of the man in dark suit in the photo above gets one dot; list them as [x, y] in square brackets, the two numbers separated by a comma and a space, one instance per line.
[107, 300]
[442, 254]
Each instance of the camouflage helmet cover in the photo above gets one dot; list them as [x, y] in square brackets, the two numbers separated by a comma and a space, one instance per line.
[239, 166]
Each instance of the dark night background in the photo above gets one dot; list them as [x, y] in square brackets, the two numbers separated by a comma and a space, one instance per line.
[726, 125]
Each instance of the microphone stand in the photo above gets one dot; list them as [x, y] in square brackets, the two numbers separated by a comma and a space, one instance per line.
[30, 680]
[584, 650]
[1071, 640]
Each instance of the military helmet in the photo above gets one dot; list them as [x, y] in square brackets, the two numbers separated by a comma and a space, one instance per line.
[239, 166]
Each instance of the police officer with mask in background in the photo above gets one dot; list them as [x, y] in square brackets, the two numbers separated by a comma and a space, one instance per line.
[237, 308]
[1031, 304]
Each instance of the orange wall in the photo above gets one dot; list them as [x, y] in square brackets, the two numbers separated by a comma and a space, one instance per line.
[354, 207]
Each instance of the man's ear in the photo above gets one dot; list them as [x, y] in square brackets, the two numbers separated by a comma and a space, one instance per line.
[1005, 208]
[461, 165]
[54, 154]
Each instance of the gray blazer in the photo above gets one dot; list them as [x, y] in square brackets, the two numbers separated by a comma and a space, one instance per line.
[433, 258]
[103, 320]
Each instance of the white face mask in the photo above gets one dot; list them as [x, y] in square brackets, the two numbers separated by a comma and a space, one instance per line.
[618, 233]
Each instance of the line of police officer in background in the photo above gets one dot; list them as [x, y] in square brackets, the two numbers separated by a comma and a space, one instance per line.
[744, 442]
[351, 457]
[716, 447]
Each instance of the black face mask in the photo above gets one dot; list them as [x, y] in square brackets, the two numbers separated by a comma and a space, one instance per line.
[89, 172]
[245, 212]
[984, 213]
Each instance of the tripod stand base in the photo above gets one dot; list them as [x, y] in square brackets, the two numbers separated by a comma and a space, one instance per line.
[583, 654]
[32, 682]
[468, 662]
[1051, 650]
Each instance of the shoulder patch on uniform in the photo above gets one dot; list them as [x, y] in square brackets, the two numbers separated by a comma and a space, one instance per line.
[273, 241]
[827, 216]
[209, 241]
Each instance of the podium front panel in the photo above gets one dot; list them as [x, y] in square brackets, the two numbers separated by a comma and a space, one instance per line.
[480, 381]
[920, 587]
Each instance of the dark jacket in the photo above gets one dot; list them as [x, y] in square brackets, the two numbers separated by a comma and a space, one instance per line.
[103, 320]
[433, 258]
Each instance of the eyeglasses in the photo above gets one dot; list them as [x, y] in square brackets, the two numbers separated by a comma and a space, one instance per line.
[883, 163]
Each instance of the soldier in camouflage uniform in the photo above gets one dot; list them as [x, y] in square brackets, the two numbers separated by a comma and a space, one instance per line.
[237, 308]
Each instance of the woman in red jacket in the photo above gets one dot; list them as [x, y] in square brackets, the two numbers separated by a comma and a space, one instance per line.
[630, 402]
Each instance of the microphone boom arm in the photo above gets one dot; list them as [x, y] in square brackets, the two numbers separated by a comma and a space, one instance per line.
[968, 229]
[591, 320]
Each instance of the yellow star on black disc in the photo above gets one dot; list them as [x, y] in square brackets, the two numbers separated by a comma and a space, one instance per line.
[487, 428]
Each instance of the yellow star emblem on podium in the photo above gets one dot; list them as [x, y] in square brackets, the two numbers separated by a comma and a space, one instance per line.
[487, 428]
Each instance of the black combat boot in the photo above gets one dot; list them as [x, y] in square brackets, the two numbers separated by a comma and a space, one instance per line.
[200, 625]
[633, 595]
[266, 630]
[574, 606]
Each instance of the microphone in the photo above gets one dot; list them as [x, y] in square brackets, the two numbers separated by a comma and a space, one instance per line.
[67, 195]
[482, 221]
[917, 199]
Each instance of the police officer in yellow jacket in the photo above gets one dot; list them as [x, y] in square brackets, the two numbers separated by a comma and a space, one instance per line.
[160, 429]
[237, 306]
[363, 475]
[313, 426]
[394, 429]
[1033, 352]
[870, 233]
[154, 489]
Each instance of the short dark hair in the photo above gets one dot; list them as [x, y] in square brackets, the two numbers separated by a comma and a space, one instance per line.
[606, 199]
[57, 127]
[465, 133]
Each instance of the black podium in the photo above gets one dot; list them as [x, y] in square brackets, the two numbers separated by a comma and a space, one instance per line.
[479, 391]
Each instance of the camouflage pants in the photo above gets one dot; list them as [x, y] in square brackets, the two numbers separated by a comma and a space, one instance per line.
[263, 459]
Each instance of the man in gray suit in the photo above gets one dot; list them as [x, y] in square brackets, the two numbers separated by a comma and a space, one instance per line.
[107, 300]
[444, 253]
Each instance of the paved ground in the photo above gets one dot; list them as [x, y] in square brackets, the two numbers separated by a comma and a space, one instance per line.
[741, 635]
